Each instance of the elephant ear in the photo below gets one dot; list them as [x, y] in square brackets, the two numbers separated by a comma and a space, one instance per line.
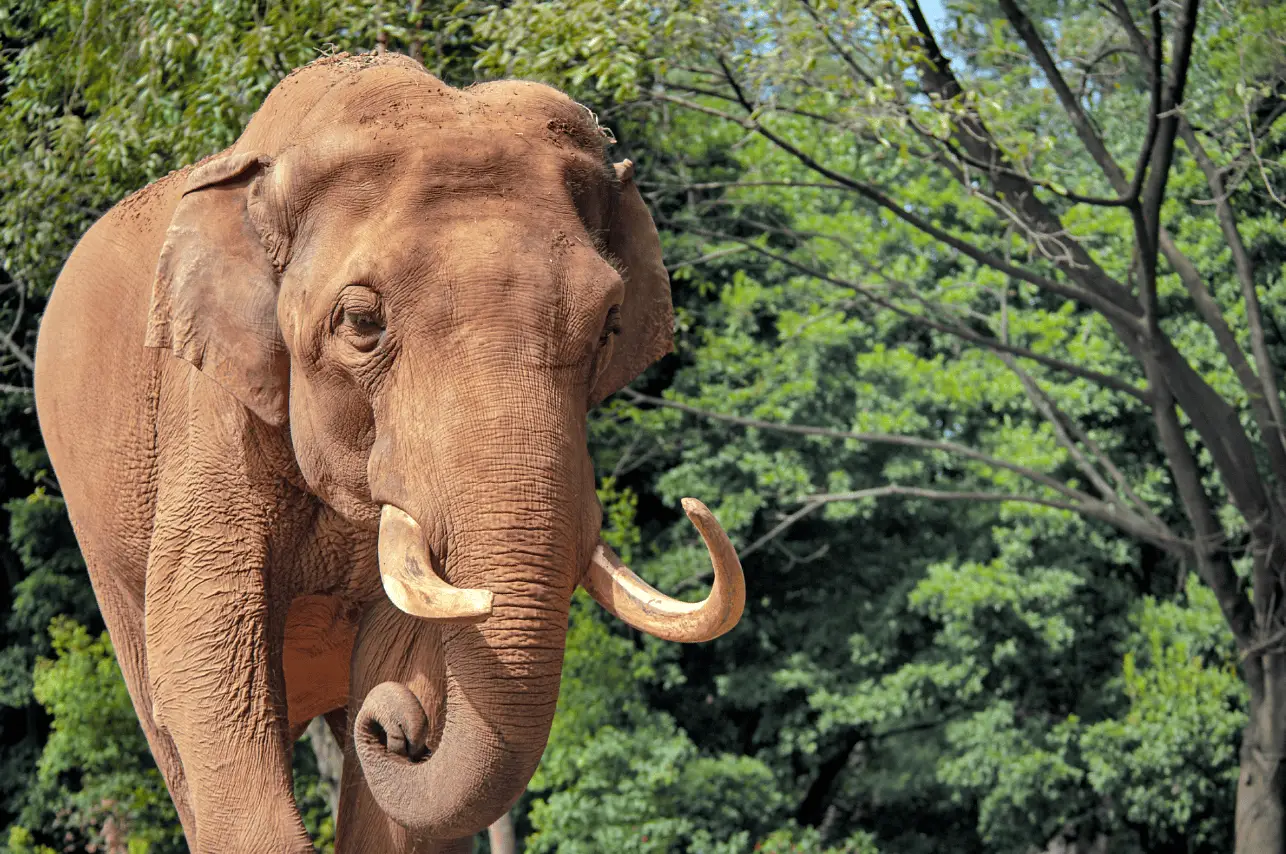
[647, 315]
[214, 299]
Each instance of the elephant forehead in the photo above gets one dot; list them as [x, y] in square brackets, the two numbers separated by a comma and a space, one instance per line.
[490, 257]
[388, 102]
[416, 165]
[378, 93]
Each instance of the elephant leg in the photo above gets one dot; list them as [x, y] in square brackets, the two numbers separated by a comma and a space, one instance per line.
[217, 595]
[123, 614]
[391, 647]
[213, 658]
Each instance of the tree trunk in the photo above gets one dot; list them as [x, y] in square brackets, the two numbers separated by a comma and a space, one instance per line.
[502, 837]
[1061, 844]
[1261, 816]
[330, 761]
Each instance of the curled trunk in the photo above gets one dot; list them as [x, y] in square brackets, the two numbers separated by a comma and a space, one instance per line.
[502, 679]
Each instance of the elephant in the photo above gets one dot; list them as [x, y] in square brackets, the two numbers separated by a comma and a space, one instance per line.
[318, 404]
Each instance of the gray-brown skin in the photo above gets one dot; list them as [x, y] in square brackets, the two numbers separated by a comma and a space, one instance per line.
[387, 291]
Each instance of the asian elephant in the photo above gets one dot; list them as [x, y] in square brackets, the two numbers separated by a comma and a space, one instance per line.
[317, 405]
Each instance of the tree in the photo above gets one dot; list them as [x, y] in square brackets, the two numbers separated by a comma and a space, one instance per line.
[1067, 225]
[90, 785]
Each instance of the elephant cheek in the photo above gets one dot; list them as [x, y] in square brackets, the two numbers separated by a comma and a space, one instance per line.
[331, 444]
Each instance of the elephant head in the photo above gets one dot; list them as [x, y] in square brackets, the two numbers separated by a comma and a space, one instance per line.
[429, 288]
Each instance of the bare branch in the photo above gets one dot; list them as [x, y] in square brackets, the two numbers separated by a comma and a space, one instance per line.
[1056, 420]
[17, 352]
[871, 438]
[1096, 510]
[1266, 388]
[1044, 184]
[1081, 122]
[732, 185]
[869, 192]
[991, 343]
[1065, 429]
[1093, 509]
[943, 495]
[709, 256]
[781, 527]
[723, 96]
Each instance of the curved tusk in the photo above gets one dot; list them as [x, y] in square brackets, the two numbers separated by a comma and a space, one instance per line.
[409, 579]
[638, 603]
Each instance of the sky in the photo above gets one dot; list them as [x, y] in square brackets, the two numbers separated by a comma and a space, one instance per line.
[934, 11]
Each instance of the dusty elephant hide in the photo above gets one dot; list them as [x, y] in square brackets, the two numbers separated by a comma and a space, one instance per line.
[317, 405]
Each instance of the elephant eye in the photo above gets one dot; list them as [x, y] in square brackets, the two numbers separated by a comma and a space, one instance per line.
[612, 326]
[363, 322]
[358, 319]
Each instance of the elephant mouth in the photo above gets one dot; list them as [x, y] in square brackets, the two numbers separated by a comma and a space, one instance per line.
[412, 584]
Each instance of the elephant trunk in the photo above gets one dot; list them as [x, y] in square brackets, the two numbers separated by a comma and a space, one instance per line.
[513, 548]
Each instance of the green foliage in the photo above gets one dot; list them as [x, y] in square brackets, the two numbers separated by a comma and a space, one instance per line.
[1183, 712]
[95, 784]
[807, 840]
[104, 97]
[620, 775]
[979, 675]
[1186, 709]
[310, 796]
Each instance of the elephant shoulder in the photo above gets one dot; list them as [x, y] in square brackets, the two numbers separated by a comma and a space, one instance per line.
[115, 260]
[143, 214]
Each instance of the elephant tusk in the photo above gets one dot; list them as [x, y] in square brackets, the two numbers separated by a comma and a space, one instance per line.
[614, 586]
[409, 579]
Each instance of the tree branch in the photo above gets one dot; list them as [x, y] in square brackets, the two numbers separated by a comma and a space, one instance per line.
[733, 185]
[709, 256]
[1062, 425]
[1117, 475]
[1097, 510]
[1211, 558]
[1275, 427]
[1215, 420]
[857, 70]
[1093, 509]
[991, 343]
[869, 192]
[1261, 389]
[17, 352]
[782, 526]
[1081, 122]
[1147, 215]
[870, 438]
[1042, 225]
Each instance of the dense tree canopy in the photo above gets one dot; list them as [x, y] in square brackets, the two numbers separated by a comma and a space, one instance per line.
[1024, 261]
[977, 358]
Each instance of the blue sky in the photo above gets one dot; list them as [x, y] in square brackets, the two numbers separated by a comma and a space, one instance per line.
[934, 11]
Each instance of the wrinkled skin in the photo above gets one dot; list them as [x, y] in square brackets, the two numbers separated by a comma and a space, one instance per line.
[387, 294]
